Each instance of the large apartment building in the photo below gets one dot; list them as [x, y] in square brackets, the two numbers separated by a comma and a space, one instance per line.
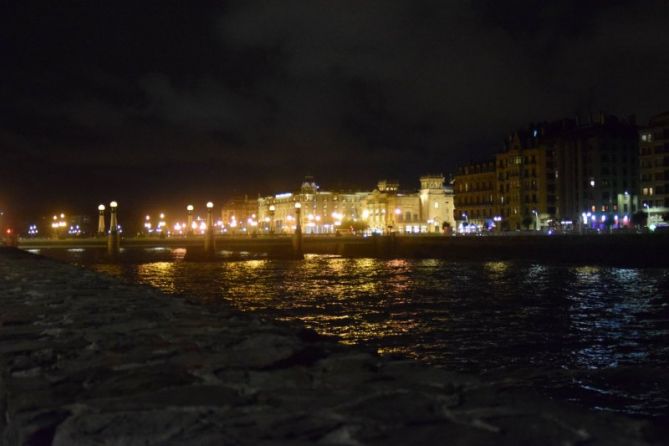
[654, 165]
[474, 186]
[564, 172]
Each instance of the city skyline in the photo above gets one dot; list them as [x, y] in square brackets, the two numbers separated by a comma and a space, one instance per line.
[155, 103]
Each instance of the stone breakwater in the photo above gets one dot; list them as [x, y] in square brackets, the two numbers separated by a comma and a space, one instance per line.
[87, 359]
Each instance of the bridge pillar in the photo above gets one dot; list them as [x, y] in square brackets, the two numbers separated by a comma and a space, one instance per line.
[297, 236]
[210, 237]
[101, 220]
[114, 238]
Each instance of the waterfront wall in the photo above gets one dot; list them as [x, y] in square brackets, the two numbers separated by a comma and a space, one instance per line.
[87, 359]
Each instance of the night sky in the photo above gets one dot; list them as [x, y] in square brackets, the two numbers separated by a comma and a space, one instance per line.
[161, 103]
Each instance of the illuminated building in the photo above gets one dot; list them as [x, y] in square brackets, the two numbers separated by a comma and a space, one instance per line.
[437, 203]
[322, 212]
[564, 173]
[596, 170]
[240, 215]
[654, 167]
[383, 210]
[386, 209]
[526, 182]
[474, 187]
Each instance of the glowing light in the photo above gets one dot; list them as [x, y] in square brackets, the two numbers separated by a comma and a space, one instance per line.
[272, 208]
[148, 217]
[101, 207]
[162, 215]
[113, 205]
[62, 215]
[298, 205]
[210, 205]
[190, 208]
[398, 211]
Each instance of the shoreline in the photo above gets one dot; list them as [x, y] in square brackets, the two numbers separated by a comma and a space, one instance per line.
[87, 357]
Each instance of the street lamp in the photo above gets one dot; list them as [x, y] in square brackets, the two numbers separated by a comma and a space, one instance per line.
[297, 239]
[209, 239]
[189, 218]
[272, 210]
[114, 241]
[298, 224]
[101, 220]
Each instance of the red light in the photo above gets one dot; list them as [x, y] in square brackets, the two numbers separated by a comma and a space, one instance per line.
[9, 231]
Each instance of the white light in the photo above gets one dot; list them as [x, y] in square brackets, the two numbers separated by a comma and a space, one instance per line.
[210, 205]
[190, 208]
[298, 205]
[272, 208]
[101, 207]
[113, 204]
[592, 183]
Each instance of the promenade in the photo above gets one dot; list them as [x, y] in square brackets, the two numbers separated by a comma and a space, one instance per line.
[87, 359]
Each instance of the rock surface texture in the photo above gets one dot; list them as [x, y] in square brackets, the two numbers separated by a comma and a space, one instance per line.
[87, 359]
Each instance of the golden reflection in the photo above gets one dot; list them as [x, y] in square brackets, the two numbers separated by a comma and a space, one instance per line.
[496, 267]
[158, 274]
[254, 264]
[587, 274]
[179, 253]
[496, 270]
[396, 263]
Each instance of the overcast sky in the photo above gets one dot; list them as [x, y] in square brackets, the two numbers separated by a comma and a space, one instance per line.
[165, 102]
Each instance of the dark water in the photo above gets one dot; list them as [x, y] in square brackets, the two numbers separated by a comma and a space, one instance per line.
[597, 336]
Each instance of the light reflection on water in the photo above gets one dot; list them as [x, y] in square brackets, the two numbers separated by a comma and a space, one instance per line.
[590, 334]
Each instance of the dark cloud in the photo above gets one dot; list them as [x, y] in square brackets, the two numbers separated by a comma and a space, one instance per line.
[250, 95]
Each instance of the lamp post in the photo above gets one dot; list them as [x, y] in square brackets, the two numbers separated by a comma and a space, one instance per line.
[113, 240]
[101, 220]
[297, 237]
[189, 227]
[272, 210]
[209, 238]
[536, 219]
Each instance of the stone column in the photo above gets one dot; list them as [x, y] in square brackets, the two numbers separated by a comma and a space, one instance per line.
[101, 220]
[297, 237]
[272, 211]
[189, 227]
[114, 238]
[209, 237]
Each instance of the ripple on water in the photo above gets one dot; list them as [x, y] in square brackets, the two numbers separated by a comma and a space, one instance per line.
[594, 335]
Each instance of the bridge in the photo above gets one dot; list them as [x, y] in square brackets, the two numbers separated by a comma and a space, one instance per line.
[630, 250]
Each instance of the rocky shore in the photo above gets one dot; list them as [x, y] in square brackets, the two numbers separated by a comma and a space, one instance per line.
[87, 359]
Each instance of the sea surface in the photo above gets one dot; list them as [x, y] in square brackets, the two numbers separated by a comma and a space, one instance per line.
[595, 336]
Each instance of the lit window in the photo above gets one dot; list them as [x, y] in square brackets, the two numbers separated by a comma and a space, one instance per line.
[645, 191]
[650, 191]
